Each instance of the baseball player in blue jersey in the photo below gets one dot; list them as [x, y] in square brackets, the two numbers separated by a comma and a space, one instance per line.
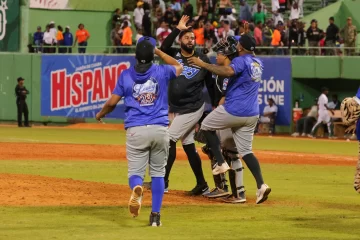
[144, 88]
[238, 110]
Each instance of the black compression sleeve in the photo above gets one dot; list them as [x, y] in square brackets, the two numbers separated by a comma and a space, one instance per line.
[169, 40]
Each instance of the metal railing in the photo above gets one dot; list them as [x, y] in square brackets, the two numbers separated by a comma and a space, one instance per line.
[260, 50]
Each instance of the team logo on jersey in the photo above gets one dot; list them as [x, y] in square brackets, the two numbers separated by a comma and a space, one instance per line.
[225, 83]
[256, 71]
[146, 93]
[188, 72]
[3, 22]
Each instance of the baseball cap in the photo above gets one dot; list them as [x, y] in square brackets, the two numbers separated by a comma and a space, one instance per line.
[52, 22]
[20, 79]
[331, 18]
[145, 47]
[247, 42]
[349, 18]
[67, 27]
[140, 4]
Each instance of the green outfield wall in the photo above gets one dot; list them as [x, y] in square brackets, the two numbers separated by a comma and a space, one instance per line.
[339, 74]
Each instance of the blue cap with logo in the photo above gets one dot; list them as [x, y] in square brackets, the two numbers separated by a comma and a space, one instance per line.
[145, 48]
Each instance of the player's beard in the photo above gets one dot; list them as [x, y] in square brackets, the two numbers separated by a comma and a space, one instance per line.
[186, 48]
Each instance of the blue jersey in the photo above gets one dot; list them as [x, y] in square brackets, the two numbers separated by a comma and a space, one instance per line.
[145, 95]
[241, 98]
[68, 39]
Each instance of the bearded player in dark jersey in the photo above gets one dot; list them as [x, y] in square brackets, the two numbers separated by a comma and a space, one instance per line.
[186, 102]
[226, 51]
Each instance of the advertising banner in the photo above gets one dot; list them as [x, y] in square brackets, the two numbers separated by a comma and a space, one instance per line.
[87, 5]
[9, 25]
[79, 85]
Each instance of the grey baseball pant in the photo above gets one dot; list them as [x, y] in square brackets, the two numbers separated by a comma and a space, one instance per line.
[145, 145]
[242, 127]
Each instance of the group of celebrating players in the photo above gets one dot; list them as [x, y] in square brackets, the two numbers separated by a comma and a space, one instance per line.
[154, 93]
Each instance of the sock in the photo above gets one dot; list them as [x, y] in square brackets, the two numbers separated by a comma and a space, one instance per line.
[171, 159]
[214, 144]
[254, 167]
[157, 190]
[134, 181]
[195, 162]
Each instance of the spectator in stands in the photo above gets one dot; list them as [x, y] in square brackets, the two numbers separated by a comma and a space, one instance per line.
[169, 15]
[349, 34]
[224, 5]
[53, 31]
[126, 39]
[293, 35]
[295, 10]
[227, 30]
[48, 40]
[245, 11]
[269, 115]
[301, 38]
[38, 40]
[125, 16]
[116, 17]
[138, 14]
[68, 40]
[139, 35]
[305, 124]
[314, 35]
[209, 36]
[116, 38]
[276, 11]
[335, 103]
[60, 40]
[258, 34]
[163, 33]
[146, 24]
[176, 7]
[230, 18]
[147, 4]
[255, 7]
[157, 13]
[276, 41]
[188, 9]
[332, 34]
[199, 33]
[267, 33]
[82, 36]
[259, 15]
[162, 6]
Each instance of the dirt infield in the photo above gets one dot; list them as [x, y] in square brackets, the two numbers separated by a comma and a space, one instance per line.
[30, 190]
[47, 151]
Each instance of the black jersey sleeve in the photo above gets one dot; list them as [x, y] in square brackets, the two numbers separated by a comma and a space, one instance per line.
[168, 42]
[210, 83]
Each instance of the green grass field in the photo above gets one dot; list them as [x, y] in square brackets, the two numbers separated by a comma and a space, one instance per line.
[307, 201]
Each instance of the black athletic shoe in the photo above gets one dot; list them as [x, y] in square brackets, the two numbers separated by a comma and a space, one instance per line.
[199, 190]
[155, 220]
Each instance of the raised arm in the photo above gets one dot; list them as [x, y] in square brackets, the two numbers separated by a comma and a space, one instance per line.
[169, 40]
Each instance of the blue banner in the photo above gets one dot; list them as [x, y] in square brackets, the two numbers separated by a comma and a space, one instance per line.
[79, 85]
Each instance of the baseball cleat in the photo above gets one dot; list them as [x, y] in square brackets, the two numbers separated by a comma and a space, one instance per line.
[199, 190]
[166, 190]
[232, 199]
[220, 169]
[295, 134]
[135, 201]
[262, 194]
[155, 220]
[216, 193]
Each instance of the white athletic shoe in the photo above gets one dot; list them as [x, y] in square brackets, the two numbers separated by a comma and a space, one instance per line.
[295, 134]
[303, 135]
[220, 169]
[262, 193]
[311, 136]
[135, 201]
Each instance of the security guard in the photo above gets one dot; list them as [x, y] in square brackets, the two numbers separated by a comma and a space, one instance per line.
[21, 92]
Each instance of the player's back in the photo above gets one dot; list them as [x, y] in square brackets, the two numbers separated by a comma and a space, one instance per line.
[242, 91]
[145, 95]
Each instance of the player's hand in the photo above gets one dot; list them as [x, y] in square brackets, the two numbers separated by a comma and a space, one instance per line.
[98, 118]
[182, 23]
[195, 61]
